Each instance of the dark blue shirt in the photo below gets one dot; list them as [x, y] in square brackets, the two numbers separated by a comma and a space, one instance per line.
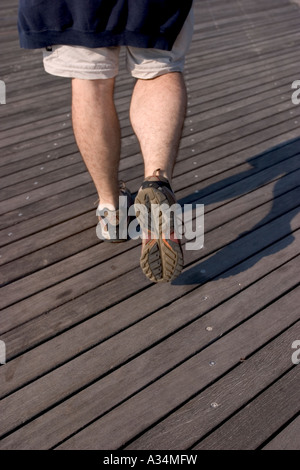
[101, 23]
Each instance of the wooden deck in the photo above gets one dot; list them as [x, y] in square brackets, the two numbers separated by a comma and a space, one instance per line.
[97, 356]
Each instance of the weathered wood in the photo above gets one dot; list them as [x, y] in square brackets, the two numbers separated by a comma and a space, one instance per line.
[193, 339]
[233, 391]
[218, 71]
[259, 419]
[93, 348]
[68, 246]
[213, 289]
[75, 286]
[39, 174]
[29, 368]
[286, 184]
[216, 96]
[190, 163]
[287, 439]
[54, 200]
[121, 424]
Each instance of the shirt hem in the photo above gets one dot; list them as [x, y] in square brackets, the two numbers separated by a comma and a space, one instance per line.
[42, 39]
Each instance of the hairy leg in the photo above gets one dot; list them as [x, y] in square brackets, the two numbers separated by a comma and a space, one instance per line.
[157, 113]
[97, 133]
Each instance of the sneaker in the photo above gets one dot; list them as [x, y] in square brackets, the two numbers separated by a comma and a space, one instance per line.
[113, 223]
[161, 257]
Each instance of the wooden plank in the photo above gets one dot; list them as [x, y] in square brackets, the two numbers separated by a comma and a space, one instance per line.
[34, 366]
[84, 261]
[126, 79]
[51, 125]
[205, 68]
[234, 37]
[215, 94]
[39, 170]
[229, 124]
[233, 161]
[191, 192]
[259, 370]
[201, 117]
[197, 417]
[43, 180]
[193, 64]
[134, 416]
[92, 341]
[23, 175]
[227, 24]
[88, 220]
[243, 33]
[67, 247]
[185, 345]
[260, 418]
[287, 439]
[42, 209]
[47, 204]
[12, 179]
[75, 286]
[233, 40]
[219, 54]
[213, 290]
[42, 193]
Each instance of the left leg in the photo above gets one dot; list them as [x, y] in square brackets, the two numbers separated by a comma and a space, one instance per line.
[157, 113]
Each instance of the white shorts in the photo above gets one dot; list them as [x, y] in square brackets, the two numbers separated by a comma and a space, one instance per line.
[103, 62]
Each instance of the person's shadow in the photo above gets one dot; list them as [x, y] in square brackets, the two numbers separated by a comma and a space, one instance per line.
[279, 162]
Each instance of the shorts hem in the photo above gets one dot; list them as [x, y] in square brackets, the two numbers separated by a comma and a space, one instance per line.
[146, 74]
[81, 74]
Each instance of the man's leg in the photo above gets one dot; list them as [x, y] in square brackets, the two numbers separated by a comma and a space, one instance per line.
[97, 132]
[157, 113]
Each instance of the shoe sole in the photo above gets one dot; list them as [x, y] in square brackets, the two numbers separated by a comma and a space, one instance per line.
[161, 258]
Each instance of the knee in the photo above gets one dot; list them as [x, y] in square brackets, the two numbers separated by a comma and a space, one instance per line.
[98, 87]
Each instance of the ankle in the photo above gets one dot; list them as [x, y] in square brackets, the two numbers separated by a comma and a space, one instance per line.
[159, 172]
[111, 203]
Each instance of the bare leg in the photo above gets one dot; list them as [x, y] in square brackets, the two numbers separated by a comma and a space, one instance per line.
[157, 113]
[97, 132]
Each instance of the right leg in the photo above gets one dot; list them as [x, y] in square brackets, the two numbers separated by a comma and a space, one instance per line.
[97, 132]
[95, 122]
